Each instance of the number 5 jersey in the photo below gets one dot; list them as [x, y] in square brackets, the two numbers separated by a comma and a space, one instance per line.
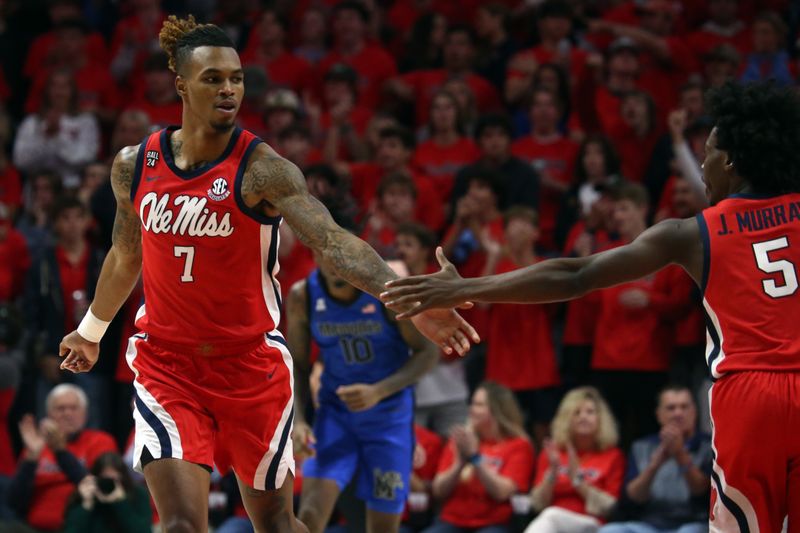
[751, 251]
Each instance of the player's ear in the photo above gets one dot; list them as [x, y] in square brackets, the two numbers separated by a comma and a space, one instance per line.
[180, 85]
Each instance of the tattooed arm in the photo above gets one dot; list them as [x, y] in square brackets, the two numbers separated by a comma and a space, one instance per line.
[277, 185]
[121, 266]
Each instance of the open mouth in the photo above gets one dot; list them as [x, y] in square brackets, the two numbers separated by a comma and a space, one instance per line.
[226, 107]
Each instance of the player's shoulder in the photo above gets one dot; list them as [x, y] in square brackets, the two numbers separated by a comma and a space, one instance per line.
[123, 170]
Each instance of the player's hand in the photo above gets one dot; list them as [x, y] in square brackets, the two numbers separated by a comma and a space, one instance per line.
[359, 396]
[415, 294]
[79, 354]
[303, 440]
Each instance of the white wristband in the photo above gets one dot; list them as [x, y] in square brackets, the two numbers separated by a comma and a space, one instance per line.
[92, 328]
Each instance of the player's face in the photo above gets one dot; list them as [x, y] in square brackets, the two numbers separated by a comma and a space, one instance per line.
[585, 420]
[212, 86]
[717, 170]
[677, 408]
[67, 412]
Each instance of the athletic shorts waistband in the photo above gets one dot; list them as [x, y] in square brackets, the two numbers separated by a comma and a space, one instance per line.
[210, 348]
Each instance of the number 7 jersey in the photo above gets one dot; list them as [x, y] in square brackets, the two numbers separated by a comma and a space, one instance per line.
[750, 286]
[209, 262]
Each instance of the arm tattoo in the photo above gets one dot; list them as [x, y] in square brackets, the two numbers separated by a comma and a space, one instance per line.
[127, 233]
[281, 183]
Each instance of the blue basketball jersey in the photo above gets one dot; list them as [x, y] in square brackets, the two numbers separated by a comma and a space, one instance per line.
[358, 343]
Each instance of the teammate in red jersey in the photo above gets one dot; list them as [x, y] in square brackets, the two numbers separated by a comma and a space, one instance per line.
[198, 210]
[743, 252]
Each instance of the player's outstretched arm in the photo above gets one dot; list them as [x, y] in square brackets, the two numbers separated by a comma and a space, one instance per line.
[424, 355]
[120, 271]
[670, 241]
[279, 183]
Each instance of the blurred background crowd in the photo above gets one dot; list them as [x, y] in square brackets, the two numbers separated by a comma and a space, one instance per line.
[506, 131]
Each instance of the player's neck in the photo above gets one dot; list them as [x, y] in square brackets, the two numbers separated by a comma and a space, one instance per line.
[194, 145]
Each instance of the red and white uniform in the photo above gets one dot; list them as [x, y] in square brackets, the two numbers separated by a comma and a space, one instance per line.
[213, 374]
[750, 283]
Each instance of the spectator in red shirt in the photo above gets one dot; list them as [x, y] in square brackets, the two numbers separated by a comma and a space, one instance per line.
[135, 37]
[579, 473]
[10, 182]
[427, 452]
[341, 121]
[520, 351]
[44, 51]
[350, 46]
[313, 36]
[722, 27]
[769, 58]
[555, 26]
[636, 138]
[552, 155]
[159, 99]
[97, 92]
[14, 258]
[394, 152]
[396, 204]
[485, 463]
[266, 47]
[459, 62]
[57, 455]
[634, 334]
[447, 150]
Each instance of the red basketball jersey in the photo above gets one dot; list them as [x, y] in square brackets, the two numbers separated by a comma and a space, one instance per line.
[209, 261]
[752, 249]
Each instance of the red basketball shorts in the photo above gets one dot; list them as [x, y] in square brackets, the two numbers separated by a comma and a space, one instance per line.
[234, 411]
[755, 481]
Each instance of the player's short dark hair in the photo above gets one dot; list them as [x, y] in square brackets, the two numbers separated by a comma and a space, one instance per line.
[352, 5]
[66, 203]
[179, 38]
[425, 236]
[494, 120]
[404, 135]
[523, 212]
[758, 124]
[633, 192]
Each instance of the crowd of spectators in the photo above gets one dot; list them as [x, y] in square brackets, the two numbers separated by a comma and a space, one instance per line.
[505, 131]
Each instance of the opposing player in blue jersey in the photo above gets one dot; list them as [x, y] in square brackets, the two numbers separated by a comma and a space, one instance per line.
[363, 425]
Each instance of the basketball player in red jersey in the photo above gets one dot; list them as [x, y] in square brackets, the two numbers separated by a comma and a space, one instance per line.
[743, 252]
[198, 210]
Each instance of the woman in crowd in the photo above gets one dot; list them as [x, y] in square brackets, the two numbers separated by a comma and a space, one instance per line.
[486, 462]
[579, 473]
